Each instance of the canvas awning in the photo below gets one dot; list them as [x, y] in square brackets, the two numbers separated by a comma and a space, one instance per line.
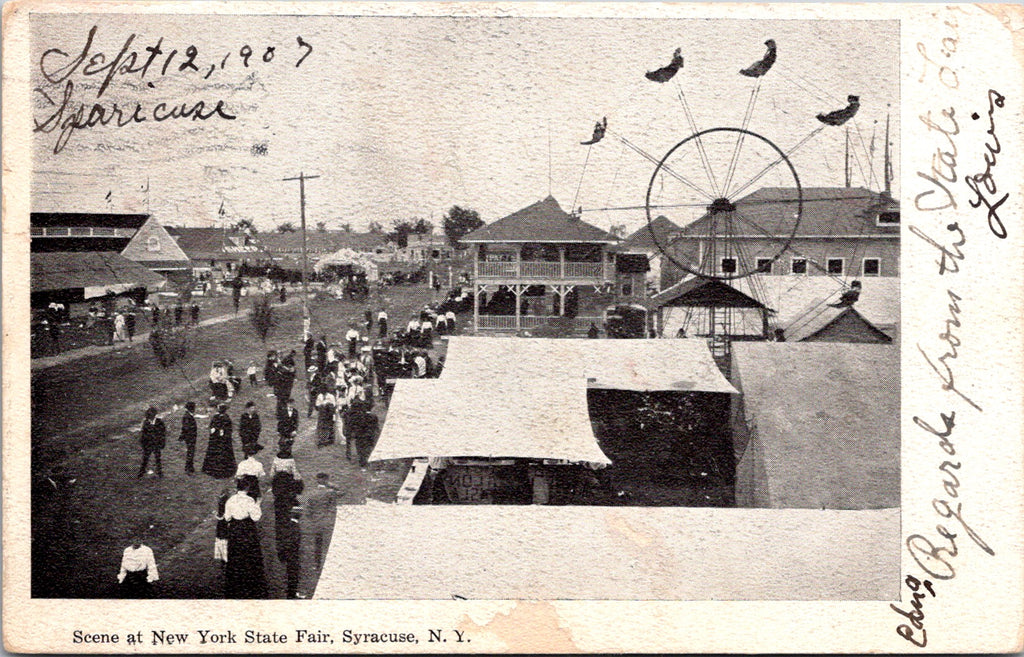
[508, 552]
[95, 273]
[641, 365]
[498, 418]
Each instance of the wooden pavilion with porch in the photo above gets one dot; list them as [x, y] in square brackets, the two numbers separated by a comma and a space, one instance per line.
[542, 265]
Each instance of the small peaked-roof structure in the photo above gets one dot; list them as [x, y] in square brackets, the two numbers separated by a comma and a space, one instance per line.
[95, 273]
[682, 365]
[797, 298]
[543, 221]
[817, 425]
[153, 247]
[827, 212]
[495, 418]
[831, 324]
[659, 233]
[698, 291]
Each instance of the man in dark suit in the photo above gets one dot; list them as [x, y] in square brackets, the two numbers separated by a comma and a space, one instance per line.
[288, 423]
[153, 439]
[321, 507]
[249, 426]
[188, 436]
[360, 432]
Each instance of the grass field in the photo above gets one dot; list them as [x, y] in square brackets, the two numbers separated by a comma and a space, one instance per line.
[85, 417]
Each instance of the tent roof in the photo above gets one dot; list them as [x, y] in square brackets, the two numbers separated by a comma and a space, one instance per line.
[826, 415]
[796, 297]
[824, 317]
[543, 221]
[827, 211]
[62, 270]
[529, 552]
[493, 418]
[673, 365]
[699, 291]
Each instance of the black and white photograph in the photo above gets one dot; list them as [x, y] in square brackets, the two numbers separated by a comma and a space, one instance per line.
[497, 305]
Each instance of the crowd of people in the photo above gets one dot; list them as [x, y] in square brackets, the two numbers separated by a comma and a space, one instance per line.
[343, 380]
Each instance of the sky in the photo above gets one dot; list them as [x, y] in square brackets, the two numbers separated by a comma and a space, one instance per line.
[406, 116]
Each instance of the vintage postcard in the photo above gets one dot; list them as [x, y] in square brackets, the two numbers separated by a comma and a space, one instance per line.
[501, 327]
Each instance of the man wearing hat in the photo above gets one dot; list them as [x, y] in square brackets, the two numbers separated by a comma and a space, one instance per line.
[249, 426]
[321, 507]
[153, 439]
[286, 484]
[314, 379]
[288, 423]
[189, 431]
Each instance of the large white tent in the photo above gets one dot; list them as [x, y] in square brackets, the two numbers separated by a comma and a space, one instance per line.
[611, 553]
[493, 418]
[640, 365]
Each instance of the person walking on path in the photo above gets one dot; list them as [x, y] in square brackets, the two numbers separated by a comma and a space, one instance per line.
[327, 405]
[363, 431]
[153, 439]
[138, 571]
[382, 324]
[195, 314]
[120, 329]
[285, 379]
[286, 484]
[288, 423]
[129, 325]
[251, 468]
[220, 455]
[352, 337]
[244, 576]
[249, 426]
[251, 372]
[321, 507]
[189, 431]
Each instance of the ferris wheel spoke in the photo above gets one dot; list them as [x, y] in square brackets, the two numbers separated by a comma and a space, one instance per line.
[775, 163]
[700, 142]
[663, 167]
[734, 161]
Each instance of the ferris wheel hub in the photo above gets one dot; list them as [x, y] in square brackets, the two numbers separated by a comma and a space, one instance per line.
[721, 205]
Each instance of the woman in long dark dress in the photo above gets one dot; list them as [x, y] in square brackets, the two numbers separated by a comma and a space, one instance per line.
[220, 455]
[244, 577]
[326, 404]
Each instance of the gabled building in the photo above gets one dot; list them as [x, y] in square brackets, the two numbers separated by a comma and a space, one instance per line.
[845, 232]
[649, 240]
[154, 248]
[77, 256]
[542, 265]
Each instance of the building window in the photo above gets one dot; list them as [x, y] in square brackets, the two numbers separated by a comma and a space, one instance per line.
[764, 265]
[835, 266]
[153, 243]
[728, 265]
[798, 265]
[889, 218]
[627, 289]
[872, 267]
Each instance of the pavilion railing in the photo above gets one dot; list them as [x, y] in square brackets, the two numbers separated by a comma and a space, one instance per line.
[535, 269]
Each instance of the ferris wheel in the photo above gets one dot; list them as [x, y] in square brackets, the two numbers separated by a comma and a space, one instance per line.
[725, 174]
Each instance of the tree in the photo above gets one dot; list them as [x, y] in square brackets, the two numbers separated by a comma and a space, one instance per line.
[286, 227]
[262, 317]
[346, 227]
[402, 228]
[618, 230]
[321, 226]
[243, 225]
[460, 221]
[375, 227]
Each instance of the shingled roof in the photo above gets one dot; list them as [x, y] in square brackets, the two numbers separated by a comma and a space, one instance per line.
[827, 212]
[543, 221]
[78, 270]
[661, 228]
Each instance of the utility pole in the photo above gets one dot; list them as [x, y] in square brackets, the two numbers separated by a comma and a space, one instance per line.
[302, 178]
[846, 158]
[888, 160]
